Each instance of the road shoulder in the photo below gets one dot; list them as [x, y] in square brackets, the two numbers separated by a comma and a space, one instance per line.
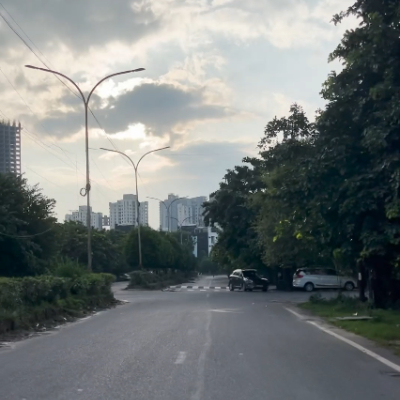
[369, 347]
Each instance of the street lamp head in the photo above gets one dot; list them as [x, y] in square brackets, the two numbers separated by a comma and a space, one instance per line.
[30, 66]
[138, 70]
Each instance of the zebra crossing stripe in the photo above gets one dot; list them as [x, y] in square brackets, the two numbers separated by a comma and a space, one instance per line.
[199, 287]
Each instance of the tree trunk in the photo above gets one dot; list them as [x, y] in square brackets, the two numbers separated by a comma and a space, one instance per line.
[362, 282]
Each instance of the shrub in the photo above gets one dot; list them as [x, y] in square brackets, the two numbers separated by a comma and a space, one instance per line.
[66, 268]
[21, 293]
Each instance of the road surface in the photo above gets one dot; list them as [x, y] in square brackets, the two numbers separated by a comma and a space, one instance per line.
[194, 345]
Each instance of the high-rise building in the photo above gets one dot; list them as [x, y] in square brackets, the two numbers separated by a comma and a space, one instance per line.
[96, 219]
[106, 220]
[10, 148]
[123, 212]
[175, 211]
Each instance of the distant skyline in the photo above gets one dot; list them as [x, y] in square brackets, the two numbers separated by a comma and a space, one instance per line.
[216, 72]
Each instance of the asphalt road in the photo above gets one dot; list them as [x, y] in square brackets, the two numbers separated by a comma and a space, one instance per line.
[194, 346]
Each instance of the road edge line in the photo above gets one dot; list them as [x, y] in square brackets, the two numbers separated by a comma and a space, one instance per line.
[358, 347]
[294, 313]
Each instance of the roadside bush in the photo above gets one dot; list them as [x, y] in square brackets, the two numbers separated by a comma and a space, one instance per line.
[25, 301]
[66, 268]
[154, 281]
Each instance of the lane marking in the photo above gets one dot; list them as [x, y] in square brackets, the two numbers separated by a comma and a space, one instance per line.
[358, 347]
[294, 313]
[181, 357]
[200, 383]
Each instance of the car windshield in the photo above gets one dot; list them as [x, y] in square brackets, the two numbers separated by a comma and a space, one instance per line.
[250, 274]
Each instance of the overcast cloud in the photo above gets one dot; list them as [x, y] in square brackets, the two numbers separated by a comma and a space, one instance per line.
[216, 72]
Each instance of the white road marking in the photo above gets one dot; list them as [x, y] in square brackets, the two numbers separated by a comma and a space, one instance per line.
[370, 353]
[181, 357]
[294, 313]
[198, 394]
[358, 347]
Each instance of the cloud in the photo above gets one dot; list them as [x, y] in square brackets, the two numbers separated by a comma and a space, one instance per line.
[81, 24]
[205, 161]
[162, 108]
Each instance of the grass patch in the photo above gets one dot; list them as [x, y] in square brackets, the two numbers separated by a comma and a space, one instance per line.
[384, 328]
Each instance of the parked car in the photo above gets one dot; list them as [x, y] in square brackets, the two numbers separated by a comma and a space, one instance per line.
[124, 277]
[247, 280]
[321, 278]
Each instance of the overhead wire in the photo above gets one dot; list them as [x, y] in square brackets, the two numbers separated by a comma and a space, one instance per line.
[67, 86]
[48, 180]
[30, 109]
[26, 236]
[64, 83]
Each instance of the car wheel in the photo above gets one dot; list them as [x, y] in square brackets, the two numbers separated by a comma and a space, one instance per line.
[349, 286]
[265, 288]
[231, 287]
[309, 287]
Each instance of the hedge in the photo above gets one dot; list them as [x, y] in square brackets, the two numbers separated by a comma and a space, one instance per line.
[20, 297]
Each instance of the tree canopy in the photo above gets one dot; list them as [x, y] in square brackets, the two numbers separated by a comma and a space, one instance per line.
[327, 192]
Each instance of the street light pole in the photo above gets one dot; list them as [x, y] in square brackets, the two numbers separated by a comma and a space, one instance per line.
[167, 207]
[135, 167]
[180, 224]
[86, 190]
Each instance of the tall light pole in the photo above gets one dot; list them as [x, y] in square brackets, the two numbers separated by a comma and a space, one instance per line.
[167, 207]
[86, 190]
[180, 224]
[135, 167]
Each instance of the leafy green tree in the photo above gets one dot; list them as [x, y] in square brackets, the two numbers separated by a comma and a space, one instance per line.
[27, 240]
[229, 210]
[157, 252]
[289, 227]
[208, 266]
[107, 247]
[359, 137]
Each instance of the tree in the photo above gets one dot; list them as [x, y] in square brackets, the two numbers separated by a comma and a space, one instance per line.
[287, 226]
[229, 209]
[107, 247]
[26, 227]
[359, 141]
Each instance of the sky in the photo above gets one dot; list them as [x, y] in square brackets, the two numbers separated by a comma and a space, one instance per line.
[216, 72]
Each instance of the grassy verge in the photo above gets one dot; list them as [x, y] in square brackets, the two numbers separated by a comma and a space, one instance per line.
[384, 328]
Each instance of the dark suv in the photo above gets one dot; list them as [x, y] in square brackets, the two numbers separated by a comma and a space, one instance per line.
[247, 280]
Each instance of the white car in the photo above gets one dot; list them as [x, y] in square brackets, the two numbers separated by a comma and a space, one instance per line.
[321, 278]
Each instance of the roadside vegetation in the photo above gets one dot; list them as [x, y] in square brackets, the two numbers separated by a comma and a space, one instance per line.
[44, 300]
[43, 274]
[383, 328]
[325, 192]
